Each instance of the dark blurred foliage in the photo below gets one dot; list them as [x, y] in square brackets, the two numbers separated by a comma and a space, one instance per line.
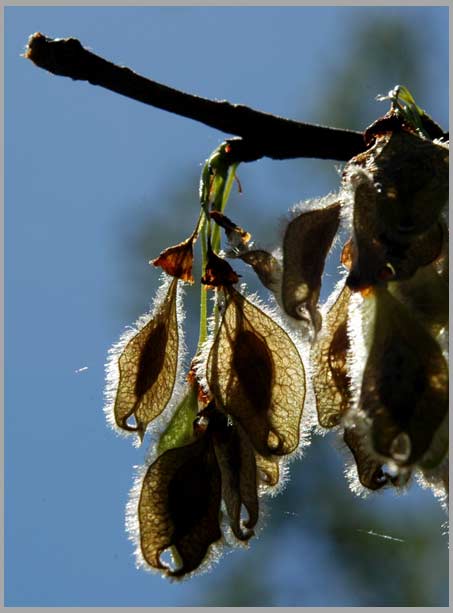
[385, 52]
[321, 545]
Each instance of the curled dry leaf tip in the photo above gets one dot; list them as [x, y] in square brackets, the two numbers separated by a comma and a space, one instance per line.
[177, 261]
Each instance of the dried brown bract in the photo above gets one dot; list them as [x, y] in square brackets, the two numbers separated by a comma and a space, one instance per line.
[265, 265]
[256, 375]
[237, 236]
[177, 261]
[147, 368]
[218, 273]
[308, 238]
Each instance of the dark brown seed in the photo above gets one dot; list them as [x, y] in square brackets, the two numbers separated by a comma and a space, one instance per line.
[151, 359]
[254, 367]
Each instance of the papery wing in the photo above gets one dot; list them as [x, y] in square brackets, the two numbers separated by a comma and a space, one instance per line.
[405, 383]
[256, 374]
[148, 366]
[330, 377]
[236, 458]
[307, 240]
[179, 506]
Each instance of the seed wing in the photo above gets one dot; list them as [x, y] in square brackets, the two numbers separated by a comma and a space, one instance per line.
[147, 368]
[237, 463]
[179, 507]
[256, 374]
[308, 238]
[405, 383]
[330, 379]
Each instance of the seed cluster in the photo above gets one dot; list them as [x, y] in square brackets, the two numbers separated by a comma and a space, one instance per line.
[373, 359]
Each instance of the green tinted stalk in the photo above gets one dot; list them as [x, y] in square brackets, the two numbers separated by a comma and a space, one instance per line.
[203, 294]
[220, 204]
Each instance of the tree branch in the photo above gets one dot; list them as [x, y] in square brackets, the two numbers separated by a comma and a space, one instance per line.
[263, 134]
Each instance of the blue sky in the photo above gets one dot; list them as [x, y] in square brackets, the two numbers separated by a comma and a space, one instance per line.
[85, 169]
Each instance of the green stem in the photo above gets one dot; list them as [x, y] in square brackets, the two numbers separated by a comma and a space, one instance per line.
[221, 187]
[220, 204]
[203, 294]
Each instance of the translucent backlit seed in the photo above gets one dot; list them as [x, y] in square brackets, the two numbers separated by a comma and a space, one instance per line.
[237, 463]
[307, 240]
[256, 375]
[179, 507]
[405, 382]
[147, 368]
[330, 377]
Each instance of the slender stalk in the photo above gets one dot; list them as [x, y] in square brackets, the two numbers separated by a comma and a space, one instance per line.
[203, 334]
[225, 194]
